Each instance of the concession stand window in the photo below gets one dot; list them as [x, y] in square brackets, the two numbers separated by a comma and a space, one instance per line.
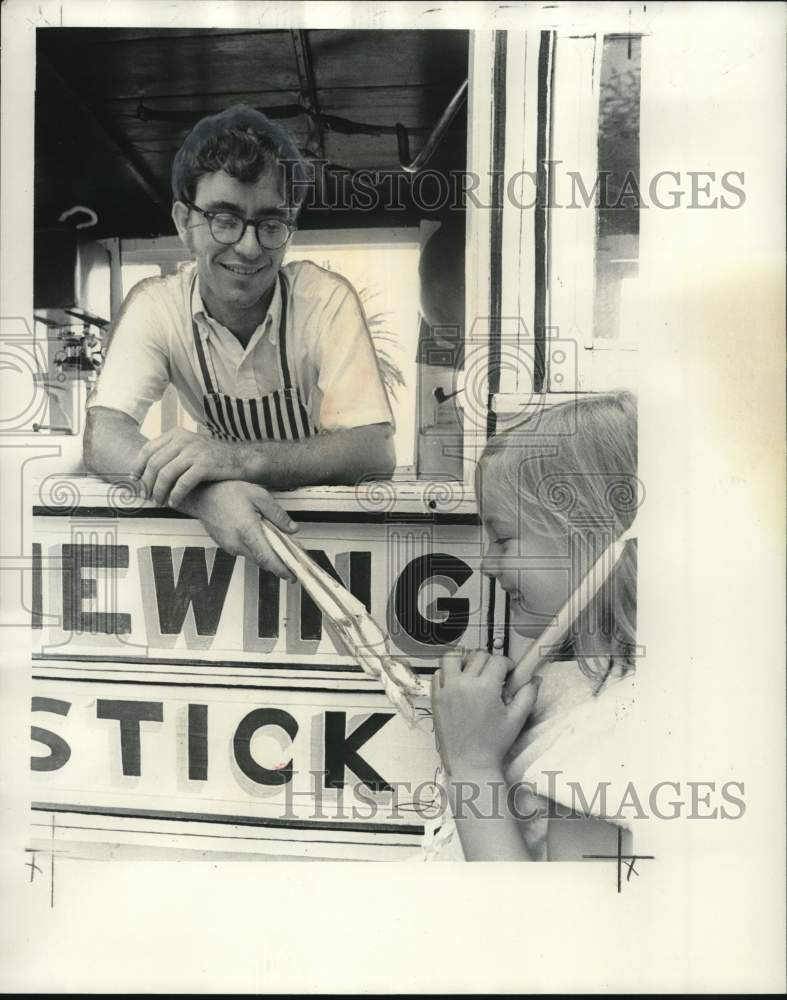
[187, 701]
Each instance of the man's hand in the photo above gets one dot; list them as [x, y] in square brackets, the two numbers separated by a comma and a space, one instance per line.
[475, 728]
[172, 465]
[231, 513]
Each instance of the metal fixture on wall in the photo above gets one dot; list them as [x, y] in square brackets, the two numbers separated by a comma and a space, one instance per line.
[435, 137]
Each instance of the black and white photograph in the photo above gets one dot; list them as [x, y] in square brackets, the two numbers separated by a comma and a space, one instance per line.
[393, 471]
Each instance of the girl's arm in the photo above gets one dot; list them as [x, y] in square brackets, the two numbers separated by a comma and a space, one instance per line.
[487, 828]
[475, 729]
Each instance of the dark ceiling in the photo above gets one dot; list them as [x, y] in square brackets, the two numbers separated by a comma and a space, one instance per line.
[112, 107]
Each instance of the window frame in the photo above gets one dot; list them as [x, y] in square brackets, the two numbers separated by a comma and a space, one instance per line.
[549, 278]
[594, 366]
[383, 236]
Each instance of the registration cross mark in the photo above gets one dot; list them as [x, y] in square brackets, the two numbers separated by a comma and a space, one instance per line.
[31, 864]
[628, 859]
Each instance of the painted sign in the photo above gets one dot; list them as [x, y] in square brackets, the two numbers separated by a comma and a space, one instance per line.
[185, 697]
[160, 585]
[270, 766]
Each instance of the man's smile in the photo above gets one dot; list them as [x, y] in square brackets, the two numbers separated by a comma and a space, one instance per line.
[244, 270]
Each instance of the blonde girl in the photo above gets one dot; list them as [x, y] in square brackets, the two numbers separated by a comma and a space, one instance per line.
[553, 493]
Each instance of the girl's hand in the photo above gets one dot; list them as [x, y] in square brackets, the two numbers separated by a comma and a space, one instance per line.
[474, 727]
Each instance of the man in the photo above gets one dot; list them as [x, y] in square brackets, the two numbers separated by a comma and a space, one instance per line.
[274, 363]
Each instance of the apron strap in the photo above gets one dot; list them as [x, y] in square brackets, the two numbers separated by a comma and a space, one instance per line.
[283, 414]
[210, 389]
[285, 368]
[297, 416]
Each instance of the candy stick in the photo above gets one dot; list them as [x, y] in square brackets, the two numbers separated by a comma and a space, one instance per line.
[304, 568]
[355, 629]
[538, 654]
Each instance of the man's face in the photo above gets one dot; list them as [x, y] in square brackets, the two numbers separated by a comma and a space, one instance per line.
[233, 277]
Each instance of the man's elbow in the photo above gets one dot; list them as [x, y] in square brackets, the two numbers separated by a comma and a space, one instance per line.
[90, 444]
[381, 453]
[388, 458]
[109, 442]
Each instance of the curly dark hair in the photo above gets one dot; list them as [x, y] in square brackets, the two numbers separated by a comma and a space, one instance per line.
[245, 144]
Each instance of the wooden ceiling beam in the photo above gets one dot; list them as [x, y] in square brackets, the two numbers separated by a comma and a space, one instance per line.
[303, 62]
[135, 163]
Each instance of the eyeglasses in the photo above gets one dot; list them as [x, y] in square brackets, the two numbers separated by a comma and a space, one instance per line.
[228, 228]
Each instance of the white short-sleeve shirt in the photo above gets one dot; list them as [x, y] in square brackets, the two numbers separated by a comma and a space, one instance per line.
[329, 350]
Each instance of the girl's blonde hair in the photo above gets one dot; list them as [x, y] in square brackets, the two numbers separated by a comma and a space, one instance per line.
[571, 469]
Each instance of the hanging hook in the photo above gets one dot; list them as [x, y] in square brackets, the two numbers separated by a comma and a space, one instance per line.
[93, 218]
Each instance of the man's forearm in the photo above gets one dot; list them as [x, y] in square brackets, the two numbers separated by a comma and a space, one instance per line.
[112, 444]
[343, 457]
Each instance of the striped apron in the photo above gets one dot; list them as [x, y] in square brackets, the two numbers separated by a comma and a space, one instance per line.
[279, 416]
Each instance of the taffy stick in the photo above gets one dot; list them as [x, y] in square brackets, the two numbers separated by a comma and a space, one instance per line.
[538, 654]
[354, 627]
